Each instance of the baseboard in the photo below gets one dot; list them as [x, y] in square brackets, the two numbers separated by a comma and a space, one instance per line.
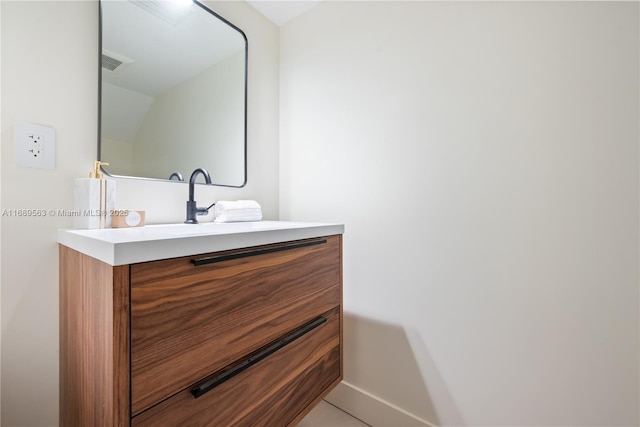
[371, 409]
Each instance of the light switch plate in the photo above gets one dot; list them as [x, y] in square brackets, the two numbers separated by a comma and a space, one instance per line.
[34, 146]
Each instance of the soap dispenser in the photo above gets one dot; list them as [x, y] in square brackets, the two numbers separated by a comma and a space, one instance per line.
[95, 199]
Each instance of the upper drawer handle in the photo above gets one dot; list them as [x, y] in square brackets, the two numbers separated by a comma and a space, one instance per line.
[255, 358]
[244, 254]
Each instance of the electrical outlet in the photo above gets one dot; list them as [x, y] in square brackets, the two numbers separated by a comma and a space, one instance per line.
[34, 146]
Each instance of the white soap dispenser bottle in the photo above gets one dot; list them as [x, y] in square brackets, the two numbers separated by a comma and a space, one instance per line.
[95, 199]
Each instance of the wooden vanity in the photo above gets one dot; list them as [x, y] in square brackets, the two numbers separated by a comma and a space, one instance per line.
[242, 335]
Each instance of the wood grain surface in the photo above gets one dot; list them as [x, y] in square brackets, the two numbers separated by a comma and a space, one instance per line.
[271, 393]
[188, 321]
[141, 336]
[94, 342]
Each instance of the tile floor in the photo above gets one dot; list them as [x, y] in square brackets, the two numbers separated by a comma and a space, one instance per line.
[327, 415]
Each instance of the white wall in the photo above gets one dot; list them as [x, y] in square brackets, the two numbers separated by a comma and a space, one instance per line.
[119, 156]
[126, 110]
[200, 118]
[484, 158]
[49, 77]
[0, 220]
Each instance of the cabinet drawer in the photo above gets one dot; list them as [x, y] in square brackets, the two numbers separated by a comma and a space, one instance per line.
[264, 394]
[188, 321]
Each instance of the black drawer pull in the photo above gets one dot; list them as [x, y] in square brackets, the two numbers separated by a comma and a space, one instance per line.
[255, 358]
[244, 254]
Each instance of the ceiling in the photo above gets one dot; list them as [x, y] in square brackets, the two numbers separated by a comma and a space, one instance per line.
[280, 12]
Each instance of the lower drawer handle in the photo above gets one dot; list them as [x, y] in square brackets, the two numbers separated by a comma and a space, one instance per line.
[255, 358]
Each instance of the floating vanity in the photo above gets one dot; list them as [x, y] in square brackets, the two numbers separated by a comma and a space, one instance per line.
[236, 324]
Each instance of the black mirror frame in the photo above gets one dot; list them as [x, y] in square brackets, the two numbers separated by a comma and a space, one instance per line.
[246, 75]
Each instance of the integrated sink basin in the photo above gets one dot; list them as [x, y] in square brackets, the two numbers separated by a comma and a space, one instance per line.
[119, 246]
[208, 228]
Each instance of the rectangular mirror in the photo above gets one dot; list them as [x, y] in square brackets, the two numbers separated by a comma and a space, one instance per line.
[173, 91]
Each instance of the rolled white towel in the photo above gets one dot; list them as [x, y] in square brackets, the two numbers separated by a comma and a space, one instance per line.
[237, 211]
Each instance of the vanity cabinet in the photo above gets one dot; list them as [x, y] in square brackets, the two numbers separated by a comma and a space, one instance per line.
[250, 336]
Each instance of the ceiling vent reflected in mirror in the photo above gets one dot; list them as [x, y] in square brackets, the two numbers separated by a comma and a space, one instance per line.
[114, 62]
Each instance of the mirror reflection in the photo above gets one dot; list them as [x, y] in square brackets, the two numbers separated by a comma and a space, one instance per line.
[173, 91]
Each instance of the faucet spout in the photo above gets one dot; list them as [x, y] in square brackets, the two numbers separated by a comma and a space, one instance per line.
[192, 209]
[176, 175]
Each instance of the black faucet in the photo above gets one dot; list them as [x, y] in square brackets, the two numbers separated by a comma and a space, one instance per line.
[176, 175]
[192, 209]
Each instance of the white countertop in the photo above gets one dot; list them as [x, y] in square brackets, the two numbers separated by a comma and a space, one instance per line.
[119, 246]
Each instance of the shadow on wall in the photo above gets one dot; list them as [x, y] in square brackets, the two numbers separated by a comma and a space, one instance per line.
[390, 378]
